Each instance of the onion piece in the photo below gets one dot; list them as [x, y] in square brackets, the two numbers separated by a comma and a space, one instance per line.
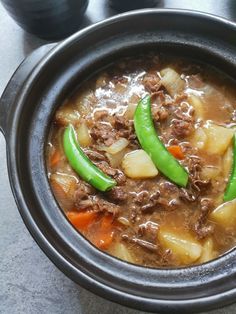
[129, 113]
[198, 106]
[83, 135]
[64, 187]
[116, 159]
[124, 221]
[172, 81]
[117, 146]
[67, 115]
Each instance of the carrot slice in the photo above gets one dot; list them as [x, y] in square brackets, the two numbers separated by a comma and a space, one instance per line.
[176, 151]
[82, 220]
[56, 157]
[105, 233]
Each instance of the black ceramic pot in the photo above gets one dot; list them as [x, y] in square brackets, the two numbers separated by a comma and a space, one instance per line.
[125, 5]
[48, 19]
[39, 85]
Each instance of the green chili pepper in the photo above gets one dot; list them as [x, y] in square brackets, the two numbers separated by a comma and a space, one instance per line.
[82, 164]
[230, 192]
[151, 143]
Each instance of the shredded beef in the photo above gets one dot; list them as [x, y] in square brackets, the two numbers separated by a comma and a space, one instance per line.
[124, 127]
[95, 156]
[120, 122]
[146, 200]
[98, 204]
[169, 196]
[100, 114]
[194, 165]
[132, 215]
[86, 197]
[102, 205]
[120, 177]
[152, 83]
[203, 230]
[184, 115]
[180, 98]
[158, 98]
[159, 113]
[200, 185]
[144, 244]
[83, 196]
[117, 174]
[201, 226]
[111, 130]
[181, 128]
[149, 230]
[117, 194]
[142, 197]
[187, 195]
[206, 205]
[83, 192]
[103, 133]
[153, 201]
[103, 165]
[183, 123]
[119, 79]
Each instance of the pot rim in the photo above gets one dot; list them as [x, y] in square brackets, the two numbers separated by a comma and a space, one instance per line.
[57, 258]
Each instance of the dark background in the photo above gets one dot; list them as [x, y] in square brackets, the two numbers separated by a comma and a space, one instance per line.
[29, 282]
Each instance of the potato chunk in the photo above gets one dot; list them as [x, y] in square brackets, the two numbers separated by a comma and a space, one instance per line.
[218, 138]
[227, 162]
[198, 106]
[208, 252]
[183, 246]
[137, 164]
[210, 172]
[121, 251]
[172, 81]
[83, 135]
[225, 214]
[199, 138]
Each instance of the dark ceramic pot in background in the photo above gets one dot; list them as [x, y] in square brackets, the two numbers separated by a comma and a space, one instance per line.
[40, 84]
[48, 19]
[125, 5]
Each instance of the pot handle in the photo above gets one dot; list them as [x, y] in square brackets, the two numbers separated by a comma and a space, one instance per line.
[17, 80]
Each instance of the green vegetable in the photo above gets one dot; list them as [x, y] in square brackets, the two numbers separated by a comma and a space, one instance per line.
[82, 164]
[151, 143]
[230, 192]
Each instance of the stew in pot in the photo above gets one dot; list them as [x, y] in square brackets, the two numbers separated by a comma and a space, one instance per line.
[141, 160]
